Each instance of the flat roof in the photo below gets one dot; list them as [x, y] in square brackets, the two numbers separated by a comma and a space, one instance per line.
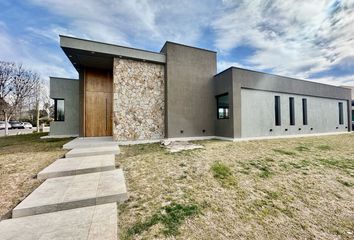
[249, 79]
[279, 76]
[88, 53]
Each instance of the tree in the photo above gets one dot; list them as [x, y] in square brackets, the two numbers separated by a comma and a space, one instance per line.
[17, 84]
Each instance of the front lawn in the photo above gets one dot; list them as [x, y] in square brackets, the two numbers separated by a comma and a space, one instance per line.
[21, 158]
[298, 188]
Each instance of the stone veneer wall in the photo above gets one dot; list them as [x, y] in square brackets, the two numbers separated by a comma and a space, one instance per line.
[138, 101]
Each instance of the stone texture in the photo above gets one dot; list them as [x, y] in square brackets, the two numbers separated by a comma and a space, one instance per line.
[95, 222]
[178, 146]
[138, 100]
[63, 193]
[78, 165]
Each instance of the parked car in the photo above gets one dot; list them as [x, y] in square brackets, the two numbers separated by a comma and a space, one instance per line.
[2, 125]
[16, 125]
[27, 125]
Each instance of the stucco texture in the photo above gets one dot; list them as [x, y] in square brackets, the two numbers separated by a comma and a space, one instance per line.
[138, 100]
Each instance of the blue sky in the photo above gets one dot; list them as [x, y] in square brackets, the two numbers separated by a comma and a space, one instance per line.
[298, 38]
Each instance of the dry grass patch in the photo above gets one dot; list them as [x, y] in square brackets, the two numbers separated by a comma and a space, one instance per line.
[281, 189]
[21, 158]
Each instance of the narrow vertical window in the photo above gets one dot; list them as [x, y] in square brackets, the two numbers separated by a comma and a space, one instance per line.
[277, 110]
[304, 111]
[58, 109]
[292, 110]
[223, 106]
[340, 108]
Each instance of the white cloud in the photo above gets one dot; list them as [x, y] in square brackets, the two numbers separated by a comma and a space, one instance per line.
[294, 38]
[138, 21]
[27, 52]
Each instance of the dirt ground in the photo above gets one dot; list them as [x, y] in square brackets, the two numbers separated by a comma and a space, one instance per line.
[298, 188]
[21, 158]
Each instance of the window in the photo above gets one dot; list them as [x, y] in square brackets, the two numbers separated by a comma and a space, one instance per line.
[223, 106]
[277, 110]
[58, 109]
[304, 111]
[340, 108]
[292, 110]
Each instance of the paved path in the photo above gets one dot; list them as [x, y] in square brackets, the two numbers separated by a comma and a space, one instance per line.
[76, 201]
[95, 222]
[78, 165]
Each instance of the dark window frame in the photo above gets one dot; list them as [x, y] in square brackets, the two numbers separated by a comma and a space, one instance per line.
[304, 111]
[56, 110]
[277, 110]
[292, 110]
[217, 106]
[341, 115]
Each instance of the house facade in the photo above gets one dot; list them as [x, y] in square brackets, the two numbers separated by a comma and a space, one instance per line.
[133, 94]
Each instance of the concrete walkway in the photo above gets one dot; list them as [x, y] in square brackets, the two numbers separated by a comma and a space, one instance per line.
[79, 165]
[95, 222]
[92, 151]
[76, 201]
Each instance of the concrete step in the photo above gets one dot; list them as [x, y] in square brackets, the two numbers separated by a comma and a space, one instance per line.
[88, 142]
[63, 193]
[79, 165]
[92, 151]
[94, 222]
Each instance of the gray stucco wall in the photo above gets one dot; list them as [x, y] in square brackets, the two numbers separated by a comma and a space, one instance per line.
[258, 114]
[223, 84]
[190, 100]
[252, 104]
[67, 89]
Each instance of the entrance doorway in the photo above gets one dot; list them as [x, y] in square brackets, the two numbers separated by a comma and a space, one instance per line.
[98, 102]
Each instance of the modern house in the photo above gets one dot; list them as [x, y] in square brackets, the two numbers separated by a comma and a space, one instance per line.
[133, 94]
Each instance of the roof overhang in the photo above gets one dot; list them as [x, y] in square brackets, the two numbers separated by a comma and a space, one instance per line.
[87, 53]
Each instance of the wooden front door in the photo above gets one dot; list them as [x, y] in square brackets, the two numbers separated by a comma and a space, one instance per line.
[98, 103]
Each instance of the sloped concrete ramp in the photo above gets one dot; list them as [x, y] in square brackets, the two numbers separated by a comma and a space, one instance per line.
[92, 151]
[63, 193]
[87, 223]
[79, 165]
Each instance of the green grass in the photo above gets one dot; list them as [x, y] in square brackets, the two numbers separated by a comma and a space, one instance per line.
[345, 183]
[30, 143]
[302, 148]
[263, 167]
[223, 174]
[265, 172]
[324, 147]
[171, 217]
[345, 164]
[284, 152]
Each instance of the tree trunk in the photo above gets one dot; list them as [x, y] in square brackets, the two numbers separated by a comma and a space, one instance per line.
[6, 125]
[37, 110]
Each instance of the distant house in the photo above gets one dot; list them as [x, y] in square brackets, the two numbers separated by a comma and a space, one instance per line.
[133, 94]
